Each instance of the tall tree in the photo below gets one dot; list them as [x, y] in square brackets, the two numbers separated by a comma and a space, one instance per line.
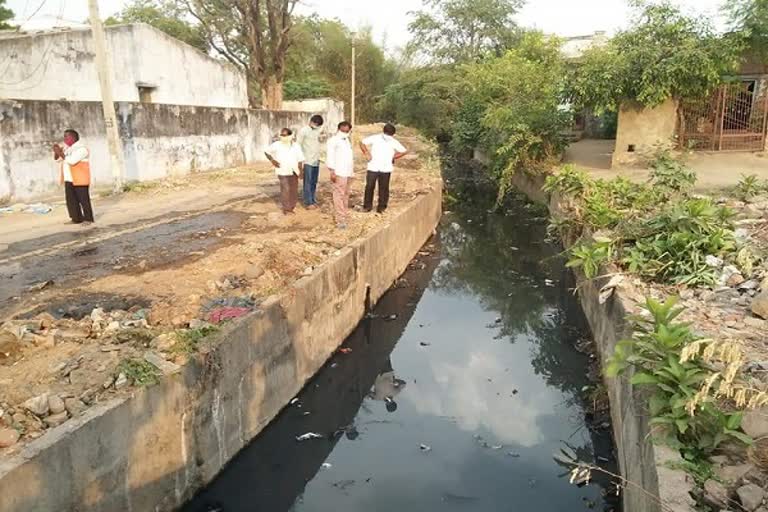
[254, 35]
[665, 55]
[319, 64]
[449, 31]
[5, 15]
[163, 15]
[750, 18]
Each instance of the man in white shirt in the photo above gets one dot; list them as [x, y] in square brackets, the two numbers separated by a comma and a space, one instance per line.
[75, 175]
[341, 165]
[309, 140]
[288, 160]
[381, 150]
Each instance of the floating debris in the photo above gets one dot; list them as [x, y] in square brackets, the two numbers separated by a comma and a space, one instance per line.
[345, 350]
[327, 465]
[425, 448]
[308, 436]
[425, 344]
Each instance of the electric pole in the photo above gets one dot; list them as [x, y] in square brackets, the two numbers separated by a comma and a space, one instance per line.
[354, 55]
[104, 69]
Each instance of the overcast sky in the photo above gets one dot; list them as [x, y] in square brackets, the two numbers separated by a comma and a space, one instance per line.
[390, 17]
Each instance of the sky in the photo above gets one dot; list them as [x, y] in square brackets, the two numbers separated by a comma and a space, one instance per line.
[389, 18]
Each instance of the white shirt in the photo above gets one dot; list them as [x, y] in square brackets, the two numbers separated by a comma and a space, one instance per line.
[383, 149]
[289, 157]
[340, 157]
[73, 154]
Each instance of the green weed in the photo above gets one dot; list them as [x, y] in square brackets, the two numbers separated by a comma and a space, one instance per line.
[139, 372]
[748, 187]
[189, 340]
[684, 405]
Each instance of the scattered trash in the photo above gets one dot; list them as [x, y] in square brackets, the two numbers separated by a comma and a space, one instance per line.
[497, 447]
[343, 484]
[228, 313]
[229, 302]
[456, 498]
[39, 208]
[327, 465]
[6, 209]
[425, 448]
[513, 455]
[390, 318]
[294, 401]
[39, 286]
[607, 290]
[425, 344]
[308, 436]
[549, 282]
[345, 350]
[497, 321]
[513, 248]
[334, 365]
[514, 391]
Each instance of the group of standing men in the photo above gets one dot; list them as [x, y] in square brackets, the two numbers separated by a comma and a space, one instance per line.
[291, 158]
[301, 158]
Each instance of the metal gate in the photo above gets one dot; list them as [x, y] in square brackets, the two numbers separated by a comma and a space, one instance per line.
[733, 118]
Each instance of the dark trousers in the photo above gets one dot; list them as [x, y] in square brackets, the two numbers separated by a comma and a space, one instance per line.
[78, 203]
[311, 174]
[289, 192]
[370, 184]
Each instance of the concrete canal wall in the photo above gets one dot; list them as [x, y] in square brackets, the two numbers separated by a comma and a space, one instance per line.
[155, 449]
[645, 465]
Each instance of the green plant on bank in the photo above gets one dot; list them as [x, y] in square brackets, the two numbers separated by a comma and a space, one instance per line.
[670, 173]
[656, 230]
[139, 372]
[189, 340]
[748, 187]
[590, 257]
[678, 367]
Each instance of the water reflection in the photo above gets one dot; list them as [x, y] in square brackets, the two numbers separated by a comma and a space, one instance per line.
[482, 388]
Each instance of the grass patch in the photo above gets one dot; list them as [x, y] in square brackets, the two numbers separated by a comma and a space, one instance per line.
[189, 340]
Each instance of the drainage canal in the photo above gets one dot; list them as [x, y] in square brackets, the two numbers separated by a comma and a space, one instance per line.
[457, 390]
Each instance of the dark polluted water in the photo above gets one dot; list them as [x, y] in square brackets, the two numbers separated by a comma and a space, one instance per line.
[460, 387]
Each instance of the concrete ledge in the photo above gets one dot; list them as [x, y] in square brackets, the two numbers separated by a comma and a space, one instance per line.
[642, 463]
[155, 449]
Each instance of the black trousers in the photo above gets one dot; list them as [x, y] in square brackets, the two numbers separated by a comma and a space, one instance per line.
[370, 184]
[78, 203]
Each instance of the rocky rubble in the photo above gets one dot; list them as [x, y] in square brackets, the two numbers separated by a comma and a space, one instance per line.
[106, 338]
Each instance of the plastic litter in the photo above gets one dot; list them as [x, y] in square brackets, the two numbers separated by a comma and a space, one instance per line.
[295, 400]
[345, 350]
[327, 465]
[308, 436]
[221, 314]
[425, 448]
[39, 208]
[424, 344]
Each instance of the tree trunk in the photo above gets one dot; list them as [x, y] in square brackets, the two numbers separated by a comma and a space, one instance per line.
[272, 93]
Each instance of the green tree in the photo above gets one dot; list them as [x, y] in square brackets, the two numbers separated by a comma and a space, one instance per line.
[163, 15]
[426, 98]
[319, 64]
[5, 15]
[254, 36]
[512, 108]
[750, 18]
[463, 30]
[665, 55]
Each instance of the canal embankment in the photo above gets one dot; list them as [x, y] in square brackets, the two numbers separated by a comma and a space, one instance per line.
[152, 447]
[653, 483]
